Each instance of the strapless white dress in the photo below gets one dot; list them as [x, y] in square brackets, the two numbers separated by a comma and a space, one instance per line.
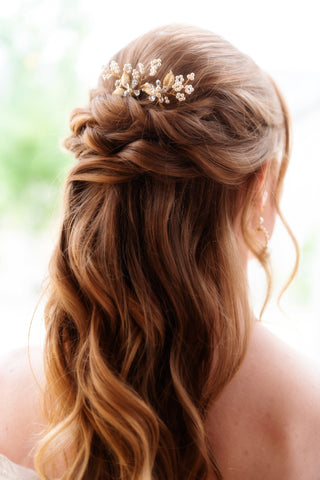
[12, 471]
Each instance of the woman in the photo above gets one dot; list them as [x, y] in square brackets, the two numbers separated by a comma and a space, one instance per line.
[155, 367]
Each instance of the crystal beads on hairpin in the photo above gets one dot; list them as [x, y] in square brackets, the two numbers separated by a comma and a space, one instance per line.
[132, 82]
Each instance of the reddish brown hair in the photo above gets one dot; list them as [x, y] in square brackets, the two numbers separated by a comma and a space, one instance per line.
[148, 316]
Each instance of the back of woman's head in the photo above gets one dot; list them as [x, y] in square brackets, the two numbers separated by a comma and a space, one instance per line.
[148, 315]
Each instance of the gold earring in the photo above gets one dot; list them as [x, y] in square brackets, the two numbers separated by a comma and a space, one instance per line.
[261, 228]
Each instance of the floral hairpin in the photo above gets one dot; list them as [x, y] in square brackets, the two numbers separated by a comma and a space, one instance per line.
[132, 81]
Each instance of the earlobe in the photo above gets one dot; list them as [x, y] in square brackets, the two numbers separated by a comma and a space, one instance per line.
[264, 199]
[261, 192]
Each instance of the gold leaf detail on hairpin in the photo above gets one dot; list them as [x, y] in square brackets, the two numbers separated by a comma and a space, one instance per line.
[148, 88]
[118, 91]
[168, 80]
[125, 79]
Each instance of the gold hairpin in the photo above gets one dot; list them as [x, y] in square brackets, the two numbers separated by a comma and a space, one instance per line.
[132, 81]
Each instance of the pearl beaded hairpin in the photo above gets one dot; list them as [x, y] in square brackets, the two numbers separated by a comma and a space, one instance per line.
[132, 81]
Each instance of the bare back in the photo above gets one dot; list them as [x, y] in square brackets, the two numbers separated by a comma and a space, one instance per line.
[265, 424]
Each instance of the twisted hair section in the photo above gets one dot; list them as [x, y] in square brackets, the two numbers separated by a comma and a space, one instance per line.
[148, 316]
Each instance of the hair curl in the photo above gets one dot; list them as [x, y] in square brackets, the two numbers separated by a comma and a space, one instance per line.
[148, 317]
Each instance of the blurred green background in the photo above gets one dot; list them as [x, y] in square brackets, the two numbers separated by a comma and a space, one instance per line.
[39, 86]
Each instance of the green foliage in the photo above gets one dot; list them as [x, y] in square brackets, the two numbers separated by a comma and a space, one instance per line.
[303, 287]
[39, 45]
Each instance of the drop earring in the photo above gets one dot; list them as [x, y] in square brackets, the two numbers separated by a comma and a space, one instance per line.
[261, 228]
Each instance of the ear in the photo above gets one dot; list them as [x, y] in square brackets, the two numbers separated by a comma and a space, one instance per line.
[261, 194]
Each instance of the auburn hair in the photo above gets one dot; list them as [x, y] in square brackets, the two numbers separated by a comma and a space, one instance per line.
[148, 316]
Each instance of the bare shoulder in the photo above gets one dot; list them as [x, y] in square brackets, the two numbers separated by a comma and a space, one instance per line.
[267, 420]
[20, 404]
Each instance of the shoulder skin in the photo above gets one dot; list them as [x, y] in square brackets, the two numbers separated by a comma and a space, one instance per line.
[21, 420]
[266, 423]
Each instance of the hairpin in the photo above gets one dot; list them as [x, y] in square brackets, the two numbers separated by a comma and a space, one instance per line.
[132, 81]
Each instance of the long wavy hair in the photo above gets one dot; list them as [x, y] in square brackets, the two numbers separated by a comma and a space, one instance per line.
[148, 315]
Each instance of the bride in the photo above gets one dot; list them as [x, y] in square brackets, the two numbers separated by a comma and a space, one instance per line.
[154, 366]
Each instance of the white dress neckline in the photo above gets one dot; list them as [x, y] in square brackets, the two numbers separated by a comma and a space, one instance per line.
[11, 471]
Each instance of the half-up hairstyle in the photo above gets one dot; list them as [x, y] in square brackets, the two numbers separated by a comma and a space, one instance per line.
[148, 315]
